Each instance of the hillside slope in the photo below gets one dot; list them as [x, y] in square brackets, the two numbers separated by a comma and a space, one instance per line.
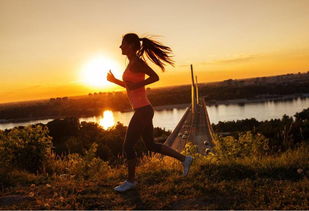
[272, 182]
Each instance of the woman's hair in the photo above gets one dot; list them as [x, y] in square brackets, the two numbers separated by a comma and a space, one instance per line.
[154, 50]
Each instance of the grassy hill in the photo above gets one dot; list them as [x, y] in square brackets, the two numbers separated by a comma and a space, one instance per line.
[67, 165]
[214, 182]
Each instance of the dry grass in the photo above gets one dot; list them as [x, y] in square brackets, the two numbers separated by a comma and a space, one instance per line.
[265, 183]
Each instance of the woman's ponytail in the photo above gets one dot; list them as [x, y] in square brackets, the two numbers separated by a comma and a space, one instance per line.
[156, 52]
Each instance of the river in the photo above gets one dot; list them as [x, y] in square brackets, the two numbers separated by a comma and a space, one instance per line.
[168, 119]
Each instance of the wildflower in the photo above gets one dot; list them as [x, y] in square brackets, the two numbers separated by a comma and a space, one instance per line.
[31, 194]
[300, 171]
[61, 199]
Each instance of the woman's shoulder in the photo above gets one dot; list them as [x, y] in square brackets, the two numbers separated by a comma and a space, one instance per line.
[139, 61]
[138, 65]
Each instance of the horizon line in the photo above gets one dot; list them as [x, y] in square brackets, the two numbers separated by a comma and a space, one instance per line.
[161, 87]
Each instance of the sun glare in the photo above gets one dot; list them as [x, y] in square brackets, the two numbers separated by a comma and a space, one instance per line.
[95, 70]
[108, 119]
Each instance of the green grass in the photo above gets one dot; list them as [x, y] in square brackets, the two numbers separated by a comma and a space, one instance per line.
[270, 182]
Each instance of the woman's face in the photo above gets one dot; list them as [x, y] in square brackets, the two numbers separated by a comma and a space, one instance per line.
[125, 47]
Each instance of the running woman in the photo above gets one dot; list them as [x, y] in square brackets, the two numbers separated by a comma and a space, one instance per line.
[133, 79]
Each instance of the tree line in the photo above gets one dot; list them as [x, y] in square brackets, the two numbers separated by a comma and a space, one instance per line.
[94, 104]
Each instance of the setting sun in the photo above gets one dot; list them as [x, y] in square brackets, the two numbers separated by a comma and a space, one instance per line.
[95, 70]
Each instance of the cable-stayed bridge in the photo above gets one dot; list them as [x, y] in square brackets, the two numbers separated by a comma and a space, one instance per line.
[194, 126]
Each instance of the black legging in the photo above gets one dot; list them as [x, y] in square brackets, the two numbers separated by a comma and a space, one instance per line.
[140, 126]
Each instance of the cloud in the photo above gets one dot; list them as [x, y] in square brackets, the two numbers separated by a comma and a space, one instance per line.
[287, 54]
[232, 60]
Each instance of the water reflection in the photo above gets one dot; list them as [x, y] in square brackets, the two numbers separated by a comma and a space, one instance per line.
[165, 119]
[107, 120]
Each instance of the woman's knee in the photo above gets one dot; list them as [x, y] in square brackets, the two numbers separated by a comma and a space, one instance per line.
[128, 151]
[154, 147]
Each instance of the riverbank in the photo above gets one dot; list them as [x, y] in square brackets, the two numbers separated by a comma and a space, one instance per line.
[261, 99]
[240, 101]
[51, 117]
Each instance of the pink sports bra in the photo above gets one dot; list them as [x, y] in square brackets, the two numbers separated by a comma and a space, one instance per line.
[137, 97]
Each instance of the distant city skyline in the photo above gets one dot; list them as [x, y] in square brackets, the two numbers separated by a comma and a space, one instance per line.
[49, 47]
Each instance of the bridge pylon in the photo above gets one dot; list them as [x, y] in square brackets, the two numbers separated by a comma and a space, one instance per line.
[195, 125]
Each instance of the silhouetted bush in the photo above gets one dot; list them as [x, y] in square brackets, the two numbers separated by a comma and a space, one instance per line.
[246, 145]
[282, 134]
[70, 136]
[303, 115]
[27, 148]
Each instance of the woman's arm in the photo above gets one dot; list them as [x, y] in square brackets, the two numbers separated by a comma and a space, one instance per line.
[110, 77]
[141, 66]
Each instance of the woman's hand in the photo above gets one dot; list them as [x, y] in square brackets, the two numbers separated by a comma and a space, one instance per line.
[110, 76]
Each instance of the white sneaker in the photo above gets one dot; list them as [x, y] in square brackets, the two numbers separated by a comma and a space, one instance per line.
[126, 185]
[186, 165]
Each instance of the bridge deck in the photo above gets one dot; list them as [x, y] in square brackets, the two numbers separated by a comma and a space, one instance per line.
[195, 128]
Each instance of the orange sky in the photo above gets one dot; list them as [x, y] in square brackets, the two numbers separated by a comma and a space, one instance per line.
[46, 44]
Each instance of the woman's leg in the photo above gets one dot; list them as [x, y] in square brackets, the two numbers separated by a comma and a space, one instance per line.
[131, 169]
[160, 148]
[147, 135]
[132, 135]
[165, 150]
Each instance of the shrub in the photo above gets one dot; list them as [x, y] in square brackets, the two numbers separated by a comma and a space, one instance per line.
[80, 166]
[246, 145]
[27, 148]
